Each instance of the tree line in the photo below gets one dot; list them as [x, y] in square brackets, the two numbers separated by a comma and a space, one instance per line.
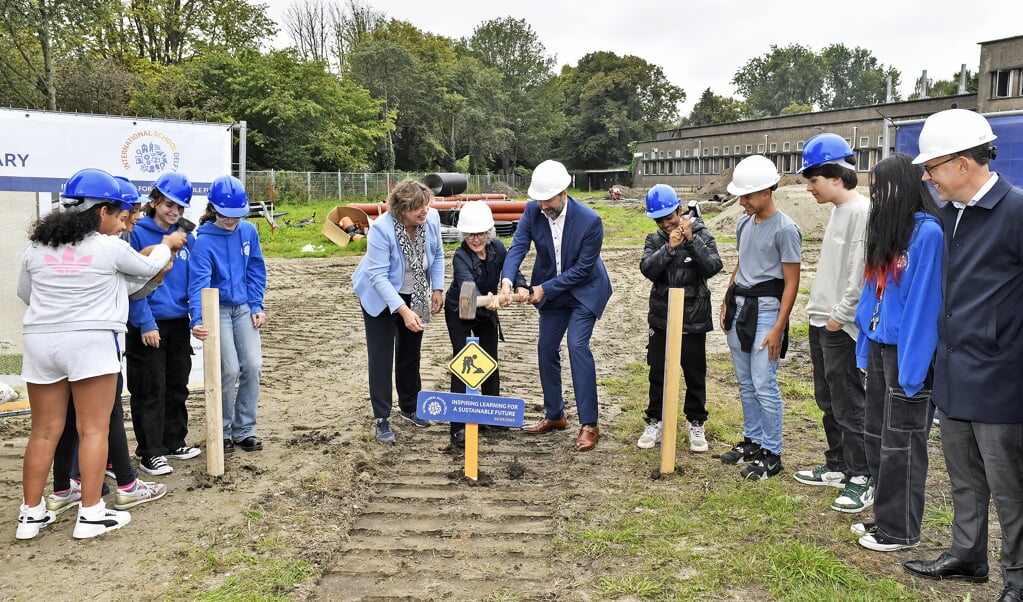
[357, 90]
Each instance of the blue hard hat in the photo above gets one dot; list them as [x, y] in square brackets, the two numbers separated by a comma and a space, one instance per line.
[660, 201]
[824, 148]
[227, 195]
[176, 187]
[129, 194]
[88, 188]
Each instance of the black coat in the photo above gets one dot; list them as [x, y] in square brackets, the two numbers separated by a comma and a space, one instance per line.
[693, 262]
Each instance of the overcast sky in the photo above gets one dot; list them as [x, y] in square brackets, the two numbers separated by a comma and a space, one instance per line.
[702, 43]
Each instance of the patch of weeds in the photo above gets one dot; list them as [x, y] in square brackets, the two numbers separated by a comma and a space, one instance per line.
[503, 596]
[639, 585]
[269, 579]
[939, 516]
[800, 331]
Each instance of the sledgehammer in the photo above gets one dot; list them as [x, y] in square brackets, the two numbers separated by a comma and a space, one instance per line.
[468, 301]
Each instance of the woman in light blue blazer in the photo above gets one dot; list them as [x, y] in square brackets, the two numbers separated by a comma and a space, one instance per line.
[400, 283]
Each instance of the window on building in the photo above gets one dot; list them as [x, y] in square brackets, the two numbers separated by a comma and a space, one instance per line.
[880, 140]
[787, 163]
[785, 146]
[864, 141]
[688, 167]
[687, 152]
[696, 166]
[737, 150]
[724, 151]
[799, 146]
[706, 152]
[1001, 84]
[863, 160]
[717, 151]
[749, 148]
[678, 153]
[646, 155]
[774, 147]
[671, 167]
[760, 148]
[660, 155]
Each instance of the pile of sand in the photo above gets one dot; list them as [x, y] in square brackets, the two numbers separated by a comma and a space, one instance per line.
[794, 200]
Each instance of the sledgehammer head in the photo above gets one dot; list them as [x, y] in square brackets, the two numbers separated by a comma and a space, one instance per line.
[467, 301]
[183, 223]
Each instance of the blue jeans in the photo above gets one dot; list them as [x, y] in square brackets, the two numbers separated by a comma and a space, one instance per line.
[577, 321]
[758, 385]
[241, 365]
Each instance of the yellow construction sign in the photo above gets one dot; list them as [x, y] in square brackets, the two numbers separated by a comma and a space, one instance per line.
[472, 365]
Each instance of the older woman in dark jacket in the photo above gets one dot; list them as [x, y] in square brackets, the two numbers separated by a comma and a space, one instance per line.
[680, 254]
[479, 259]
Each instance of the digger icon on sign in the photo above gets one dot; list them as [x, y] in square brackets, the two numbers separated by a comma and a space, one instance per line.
[469, 366]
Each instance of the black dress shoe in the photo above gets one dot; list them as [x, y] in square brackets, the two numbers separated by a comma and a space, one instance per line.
[458, 439]
[1011, 594]
[948, 566]
[251, 443]
[228, 446]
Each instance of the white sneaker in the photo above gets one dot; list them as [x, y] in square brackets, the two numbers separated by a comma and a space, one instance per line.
[651, 435]
[697, 438]
[184, 453]
[97, 520]
[140, 493]
[31, 519]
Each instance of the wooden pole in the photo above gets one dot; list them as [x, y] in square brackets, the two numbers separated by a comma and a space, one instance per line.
[672, 360]
[211, 379]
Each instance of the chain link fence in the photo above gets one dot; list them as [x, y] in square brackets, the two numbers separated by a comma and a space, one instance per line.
[315, 186]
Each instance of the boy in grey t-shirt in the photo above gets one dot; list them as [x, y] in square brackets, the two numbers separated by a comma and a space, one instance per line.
[756, 311]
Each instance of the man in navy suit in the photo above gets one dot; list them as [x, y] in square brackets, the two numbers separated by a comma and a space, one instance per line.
[977, 388]
[570, 289]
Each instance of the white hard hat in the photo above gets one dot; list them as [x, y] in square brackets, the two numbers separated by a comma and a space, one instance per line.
[951, 131]
[753, 174]
[475, 217]
[550, 178]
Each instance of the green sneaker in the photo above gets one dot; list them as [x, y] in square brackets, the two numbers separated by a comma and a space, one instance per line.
[821, 475]
[857, 496]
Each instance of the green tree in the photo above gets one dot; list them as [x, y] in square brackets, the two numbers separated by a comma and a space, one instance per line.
[834, 78]
[406, 69]
[527, 108]
[855, 78]
[611, 101]
[946, 87]
[711, 109]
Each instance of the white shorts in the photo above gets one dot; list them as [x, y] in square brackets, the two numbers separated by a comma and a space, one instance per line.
[75, 355]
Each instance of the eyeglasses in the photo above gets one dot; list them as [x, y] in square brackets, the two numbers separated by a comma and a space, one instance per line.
[477, 235]
[930, 168]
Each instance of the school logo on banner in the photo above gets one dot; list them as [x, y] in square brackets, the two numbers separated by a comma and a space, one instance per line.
[152, 152]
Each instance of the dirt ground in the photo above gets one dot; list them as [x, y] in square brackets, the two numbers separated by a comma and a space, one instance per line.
[382, 522]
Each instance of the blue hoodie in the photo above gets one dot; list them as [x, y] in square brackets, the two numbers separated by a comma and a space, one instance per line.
[230, 260]
[170, 300]
[908, 313]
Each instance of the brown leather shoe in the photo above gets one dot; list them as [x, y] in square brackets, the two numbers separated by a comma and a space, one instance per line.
[587, 438]
[547, 424]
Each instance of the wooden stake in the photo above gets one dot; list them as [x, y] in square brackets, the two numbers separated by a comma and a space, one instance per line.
[472, 438]
[672, 360]
[211, 379]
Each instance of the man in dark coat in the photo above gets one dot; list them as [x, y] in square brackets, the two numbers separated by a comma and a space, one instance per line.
[977, 388]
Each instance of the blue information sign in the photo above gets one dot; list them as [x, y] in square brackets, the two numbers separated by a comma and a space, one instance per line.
[475, 409]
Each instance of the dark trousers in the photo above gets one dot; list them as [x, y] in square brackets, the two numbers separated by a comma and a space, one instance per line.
[389, 343]
[694, 370]
[567, 315]
[65, 459]
[895, 430]
[984, 462]
[839, 391]
[485, 328]
[158, 384]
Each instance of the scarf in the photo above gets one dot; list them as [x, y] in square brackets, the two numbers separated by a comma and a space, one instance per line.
[415, 254]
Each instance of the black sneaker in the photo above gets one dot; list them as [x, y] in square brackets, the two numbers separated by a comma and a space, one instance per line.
[744, 451]
[765, 465]
[156, 465]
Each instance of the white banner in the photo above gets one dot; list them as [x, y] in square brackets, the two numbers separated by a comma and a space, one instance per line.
[39, 150]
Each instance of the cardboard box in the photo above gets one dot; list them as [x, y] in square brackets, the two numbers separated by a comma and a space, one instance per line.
[332, 225]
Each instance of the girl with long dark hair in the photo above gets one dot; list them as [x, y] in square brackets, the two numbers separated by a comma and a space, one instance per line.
[898, 320]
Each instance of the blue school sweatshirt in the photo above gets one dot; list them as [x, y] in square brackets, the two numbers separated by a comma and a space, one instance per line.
[230, 260]
[170, 300]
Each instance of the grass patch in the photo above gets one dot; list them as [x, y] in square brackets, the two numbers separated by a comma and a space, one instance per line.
[800, 331]
[268, 579]
[703, 533]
